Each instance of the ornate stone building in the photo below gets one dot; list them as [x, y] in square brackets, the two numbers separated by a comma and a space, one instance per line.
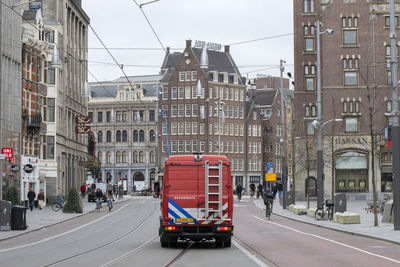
[124, 121]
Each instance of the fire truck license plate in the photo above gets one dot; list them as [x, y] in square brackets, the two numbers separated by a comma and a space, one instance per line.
[184, 220]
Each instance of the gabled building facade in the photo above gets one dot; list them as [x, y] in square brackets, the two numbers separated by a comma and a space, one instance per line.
[210, 120]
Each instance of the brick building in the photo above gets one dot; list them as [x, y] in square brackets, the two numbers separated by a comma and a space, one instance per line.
[348, 71]
[197, 120]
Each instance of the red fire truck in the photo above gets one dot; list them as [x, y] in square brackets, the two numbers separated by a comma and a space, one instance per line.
[197, 200]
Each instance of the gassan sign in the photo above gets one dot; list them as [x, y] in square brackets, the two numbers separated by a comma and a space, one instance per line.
[8, 151]
[82, 120]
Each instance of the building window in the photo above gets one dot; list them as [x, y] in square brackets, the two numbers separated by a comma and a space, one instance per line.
[141, 157]
[118, 157]
[195, 110]
[180, 93]
[124, 157]
[387, 21]
[174, 92]
[124, 116]
[100, 137]
[188, 110]
[141, 136]
[181, 76]
[124, 136]
[152, 157]
[188, 92]
[100, 156]
[118, 136]
[49, 105]
[188, 128]
[308, 7]
[173, 146]
[310, 128]
[202, 146]
[351, 125]
[350, 30]
[108, 157]
[108, 137]
[350, 69]
[309, 38]
[135, 136]
[351, 107]
[100, 117]
[152, 136]
[48, 147]
[180, 146]
[309, 74]
[108, 116]
[165, 93]
[152, 115]
[388, 106]
[180, 110]
[174, 110]
[135, 157]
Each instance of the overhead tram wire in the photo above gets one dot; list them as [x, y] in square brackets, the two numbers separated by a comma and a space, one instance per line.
[151, 26]
[261, 39]
[63, 49]
[120, 66]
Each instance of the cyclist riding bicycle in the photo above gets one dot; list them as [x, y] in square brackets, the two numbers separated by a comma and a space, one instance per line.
[268, 197]
[239, 190]
[252, 189]
[259, 190]
[99, 198]
[110, 197]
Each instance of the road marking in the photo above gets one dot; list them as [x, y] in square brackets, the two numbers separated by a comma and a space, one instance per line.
[127, 254]
[249, 254]
[327, 239]
[65, 233]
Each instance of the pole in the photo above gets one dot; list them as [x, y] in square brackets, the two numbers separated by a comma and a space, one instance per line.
[1, 89]
[283, 133]
[320, 155]
[395, 120]
[219, 126]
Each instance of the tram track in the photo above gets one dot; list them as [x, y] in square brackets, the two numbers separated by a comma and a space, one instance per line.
[120, 237]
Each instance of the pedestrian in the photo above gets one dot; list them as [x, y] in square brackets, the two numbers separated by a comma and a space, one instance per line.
[40, 198]
[115, 189]
[31, 197]
[83, 190]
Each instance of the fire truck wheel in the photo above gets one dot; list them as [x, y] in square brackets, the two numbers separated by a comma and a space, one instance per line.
[164, 244]
[227, 244]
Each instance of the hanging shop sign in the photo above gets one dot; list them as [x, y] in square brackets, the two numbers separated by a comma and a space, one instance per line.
[28, 168]
[82, 120]
[8, 151]
[14, 168]
[82, 129]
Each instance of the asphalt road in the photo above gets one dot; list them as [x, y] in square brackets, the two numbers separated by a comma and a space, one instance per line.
[283, 242]
[128, 236]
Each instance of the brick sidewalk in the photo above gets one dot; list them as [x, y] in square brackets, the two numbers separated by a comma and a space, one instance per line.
[366, 227]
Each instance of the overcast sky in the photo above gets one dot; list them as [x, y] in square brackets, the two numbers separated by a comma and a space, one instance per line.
[121, 24]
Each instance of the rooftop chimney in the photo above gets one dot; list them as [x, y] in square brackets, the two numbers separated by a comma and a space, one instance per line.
[226, 48]
[204, 59]
[188, 43]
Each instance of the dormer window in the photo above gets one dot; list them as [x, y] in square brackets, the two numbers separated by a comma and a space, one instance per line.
[221, 77]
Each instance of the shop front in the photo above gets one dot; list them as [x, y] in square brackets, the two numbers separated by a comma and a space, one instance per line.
[351, 171]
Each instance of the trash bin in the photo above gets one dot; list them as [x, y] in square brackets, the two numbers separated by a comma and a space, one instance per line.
[18, 218]
[5, 215]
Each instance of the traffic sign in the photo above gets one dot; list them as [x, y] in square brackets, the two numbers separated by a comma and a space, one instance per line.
[269, 165]
[270, 177]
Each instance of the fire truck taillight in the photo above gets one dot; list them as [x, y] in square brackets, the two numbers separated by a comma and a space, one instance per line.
[224, 228]
[171, 228]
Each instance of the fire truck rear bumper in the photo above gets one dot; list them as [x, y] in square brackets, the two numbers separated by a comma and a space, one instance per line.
[196, 233]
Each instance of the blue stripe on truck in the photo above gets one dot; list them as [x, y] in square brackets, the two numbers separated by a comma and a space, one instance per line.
[173, 203]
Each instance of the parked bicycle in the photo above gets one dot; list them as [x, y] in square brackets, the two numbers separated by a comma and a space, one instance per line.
[321, 212]
[59, 204]
[380, 205]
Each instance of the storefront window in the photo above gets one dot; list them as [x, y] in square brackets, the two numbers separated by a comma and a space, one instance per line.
[351, 172]
[311, 187]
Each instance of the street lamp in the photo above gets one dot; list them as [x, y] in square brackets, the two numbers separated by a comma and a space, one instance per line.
[320, 162]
